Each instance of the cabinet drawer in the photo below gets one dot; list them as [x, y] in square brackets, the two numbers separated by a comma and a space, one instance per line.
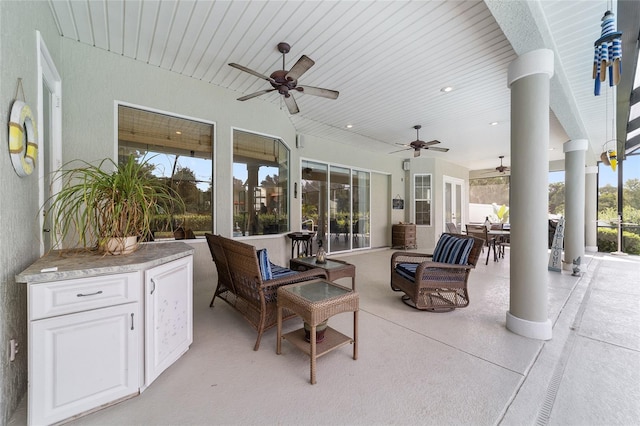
[81, 294]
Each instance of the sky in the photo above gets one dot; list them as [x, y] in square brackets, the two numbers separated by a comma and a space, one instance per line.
[606, 175]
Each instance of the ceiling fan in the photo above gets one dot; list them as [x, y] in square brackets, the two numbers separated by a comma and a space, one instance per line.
[287, 81]
[501, 168]
[417, 145]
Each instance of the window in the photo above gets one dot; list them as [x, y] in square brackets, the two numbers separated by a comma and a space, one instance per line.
[260, 184]
[180, 151]
[422, 198]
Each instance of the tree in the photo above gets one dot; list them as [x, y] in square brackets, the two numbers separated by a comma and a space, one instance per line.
[607, 198]
[631, 193]
[184, 181]
[556, 198]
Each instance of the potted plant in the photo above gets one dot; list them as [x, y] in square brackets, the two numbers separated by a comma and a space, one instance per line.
[109, 210]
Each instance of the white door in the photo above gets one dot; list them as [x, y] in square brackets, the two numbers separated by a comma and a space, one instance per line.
[168, 315]
[453, 201]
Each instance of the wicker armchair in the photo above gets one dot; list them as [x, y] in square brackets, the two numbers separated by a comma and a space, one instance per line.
[224, 276]
[436, 286]
[243, 287]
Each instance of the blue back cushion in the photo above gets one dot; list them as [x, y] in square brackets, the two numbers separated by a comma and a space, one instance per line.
[265, 265]
[452, 249]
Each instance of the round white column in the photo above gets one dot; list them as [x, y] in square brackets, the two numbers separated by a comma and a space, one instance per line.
[591, 209]
[528, 78]
[574, 204]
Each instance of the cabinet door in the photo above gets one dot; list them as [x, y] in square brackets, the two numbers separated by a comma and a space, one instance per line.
[81, 361]
[168, 315]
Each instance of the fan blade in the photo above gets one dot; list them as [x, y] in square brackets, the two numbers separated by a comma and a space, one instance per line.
[291, 104]
[302, 66]
[433, 142]
[253, 95]
[317, 91]
[250, 71]
[393, 152]
[404, 144]
[433, 148]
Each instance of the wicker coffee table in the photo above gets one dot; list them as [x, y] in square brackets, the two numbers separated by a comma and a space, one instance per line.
[335, 268]
[316, 301]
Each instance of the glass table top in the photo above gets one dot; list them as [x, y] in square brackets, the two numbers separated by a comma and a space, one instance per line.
[311, 261]
[316, 291]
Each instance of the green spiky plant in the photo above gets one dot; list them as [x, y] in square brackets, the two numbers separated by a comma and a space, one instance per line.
[96, 205]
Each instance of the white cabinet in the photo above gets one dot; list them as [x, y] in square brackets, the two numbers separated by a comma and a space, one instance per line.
[168, 315]
[102, 328]
[84, 358]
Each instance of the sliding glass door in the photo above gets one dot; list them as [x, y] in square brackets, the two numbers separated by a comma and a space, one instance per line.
[336, 205]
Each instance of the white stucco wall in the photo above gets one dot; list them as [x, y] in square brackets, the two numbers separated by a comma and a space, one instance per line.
[427, 236]
[19, 244]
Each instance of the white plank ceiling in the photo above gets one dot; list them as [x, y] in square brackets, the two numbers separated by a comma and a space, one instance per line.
[388, 59]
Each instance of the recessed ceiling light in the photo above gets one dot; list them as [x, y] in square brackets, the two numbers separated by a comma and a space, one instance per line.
[446, 89]
[178, 132]
[493, 123]
[348, 126]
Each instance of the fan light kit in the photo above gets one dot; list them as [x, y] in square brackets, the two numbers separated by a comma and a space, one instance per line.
[418, 145]
[501, 168]
[287, 81]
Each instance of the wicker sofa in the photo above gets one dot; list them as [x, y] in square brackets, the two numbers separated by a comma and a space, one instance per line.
[241, 283]
[440, 285]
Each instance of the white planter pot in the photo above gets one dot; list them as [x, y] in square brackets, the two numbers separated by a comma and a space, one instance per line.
[123, 245]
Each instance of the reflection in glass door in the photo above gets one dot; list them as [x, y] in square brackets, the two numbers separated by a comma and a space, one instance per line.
[339, 209]
[314, 200]
[361, 209]
[453, 197]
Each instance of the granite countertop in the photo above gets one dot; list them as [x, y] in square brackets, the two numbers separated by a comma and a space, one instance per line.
[82, 263]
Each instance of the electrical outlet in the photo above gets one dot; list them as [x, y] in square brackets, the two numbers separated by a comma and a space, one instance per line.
[13, 349]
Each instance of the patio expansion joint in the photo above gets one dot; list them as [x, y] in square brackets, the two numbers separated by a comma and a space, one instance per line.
[544, 414]
[567, 313]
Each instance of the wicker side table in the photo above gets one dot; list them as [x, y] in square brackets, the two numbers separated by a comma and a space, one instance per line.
[316, 301]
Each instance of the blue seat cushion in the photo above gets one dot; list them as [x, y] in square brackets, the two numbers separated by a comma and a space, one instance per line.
[280, 271]
[265, 265]
[452, 249]
[407, 270]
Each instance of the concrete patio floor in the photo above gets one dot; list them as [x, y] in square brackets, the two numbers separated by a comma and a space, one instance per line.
[458, 368]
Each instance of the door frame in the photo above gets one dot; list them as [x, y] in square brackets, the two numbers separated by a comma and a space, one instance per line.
[48, 74]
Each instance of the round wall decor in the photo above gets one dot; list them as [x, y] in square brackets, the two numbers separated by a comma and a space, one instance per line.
[23, 139]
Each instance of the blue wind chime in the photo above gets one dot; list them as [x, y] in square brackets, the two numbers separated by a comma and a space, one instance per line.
[608, 53]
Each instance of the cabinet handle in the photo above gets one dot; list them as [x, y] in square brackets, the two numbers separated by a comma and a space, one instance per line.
[154, 286]
[89, 294]
[132, 321]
